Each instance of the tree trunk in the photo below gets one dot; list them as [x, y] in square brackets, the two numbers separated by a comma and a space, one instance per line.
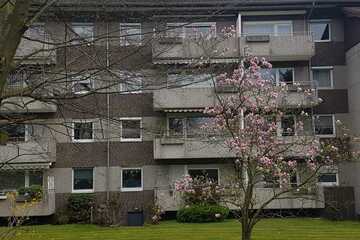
[246, 232]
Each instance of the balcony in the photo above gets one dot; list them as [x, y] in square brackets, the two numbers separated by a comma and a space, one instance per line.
[44, 207]
[189, 148]
[168, 50]
[200, 98]
[172, 202]
[36, 50]
[297, 47]
[21, 104]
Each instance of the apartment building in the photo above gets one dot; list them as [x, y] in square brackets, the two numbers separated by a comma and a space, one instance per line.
[131, 140]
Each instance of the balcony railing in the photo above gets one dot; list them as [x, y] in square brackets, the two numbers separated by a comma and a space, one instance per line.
[295, 47]
[43, 207]
[167, 50]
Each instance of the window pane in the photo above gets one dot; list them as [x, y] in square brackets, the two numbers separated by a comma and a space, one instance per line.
[12, 180]
[324, 125]
[194, 125]
[190, 81]
[131, 129]
[130, 33]
[83, 179]
[288, 126]
[283, 29]
[15, 132]
[210, 174]
[268, 74]
[84, 32]
[286, 75]
[131, 178]
[327, 178]
[259, 29]
[83, 130]
[35, 178]
[176, 127]
[320, 31]
[322, 77]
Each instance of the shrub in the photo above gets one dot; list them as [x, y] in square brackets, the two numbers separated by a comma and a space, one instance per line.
[61, 218]
[80, 206]
[199, 190]
[33, 192]
[199, 213]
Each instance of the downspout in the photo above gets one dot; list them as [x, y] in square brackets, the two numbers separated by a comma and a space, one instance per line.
[108, 121]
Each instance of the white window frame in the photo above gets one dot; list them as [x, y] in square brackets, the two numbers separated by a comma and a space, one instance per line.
[328, 21]
[123, 41]
[78, 79]
[83, 24]
[330, 68]
[275, 23]
[82, 190]
[131, 139]
[129, 189]
[204, 168]
[82, 121]
[182, 26]
[329, 170]
[334, 125]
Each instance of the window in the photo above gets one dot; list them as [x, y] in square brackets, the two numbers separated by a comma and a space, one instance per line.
[294, 177]
[18, 79]
[323, 77]
[186, 30]
[279, 75]
[130, 34]
[83, 180]
[324, 125]
[131, 129]
[187, 127]
[210, 174]
[14, 132]
[328, 179]
[83, 131]
[288, 125]
[320, 30]
[130, 82]
[13, 180]
[131, 179]
[176, 126]
[83, 31]
[189, 81]
[267, 28]
[81, 84]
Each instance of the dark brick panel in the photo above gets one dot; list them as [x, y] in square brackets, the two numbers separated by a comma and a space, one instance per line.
[121, 105]
[95, 155]
[334, 101]
[123, 203]
[329, 54]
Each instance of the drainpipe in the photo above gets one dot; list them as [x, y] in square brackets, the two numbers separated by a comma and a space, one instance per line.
[108, 121]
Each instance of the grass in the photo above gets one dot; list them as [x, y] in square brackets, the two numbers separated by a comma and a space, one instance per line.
[267, 229]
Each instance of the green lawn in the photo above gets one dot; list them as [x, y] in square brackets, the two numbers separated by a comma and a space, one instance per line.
[268, 229]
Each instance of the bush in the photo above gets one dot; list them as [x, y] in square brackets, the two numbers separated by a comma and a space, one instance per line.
[80, 206]
[202, 213]
[33, 193]
[61, 218]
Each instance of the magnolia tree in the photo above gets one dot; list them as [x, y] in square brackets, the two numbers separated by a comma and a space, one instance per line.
[245, 120]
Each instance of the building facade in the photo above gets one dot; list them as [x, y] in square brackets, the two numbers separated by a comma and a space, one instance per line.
[132, 127]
